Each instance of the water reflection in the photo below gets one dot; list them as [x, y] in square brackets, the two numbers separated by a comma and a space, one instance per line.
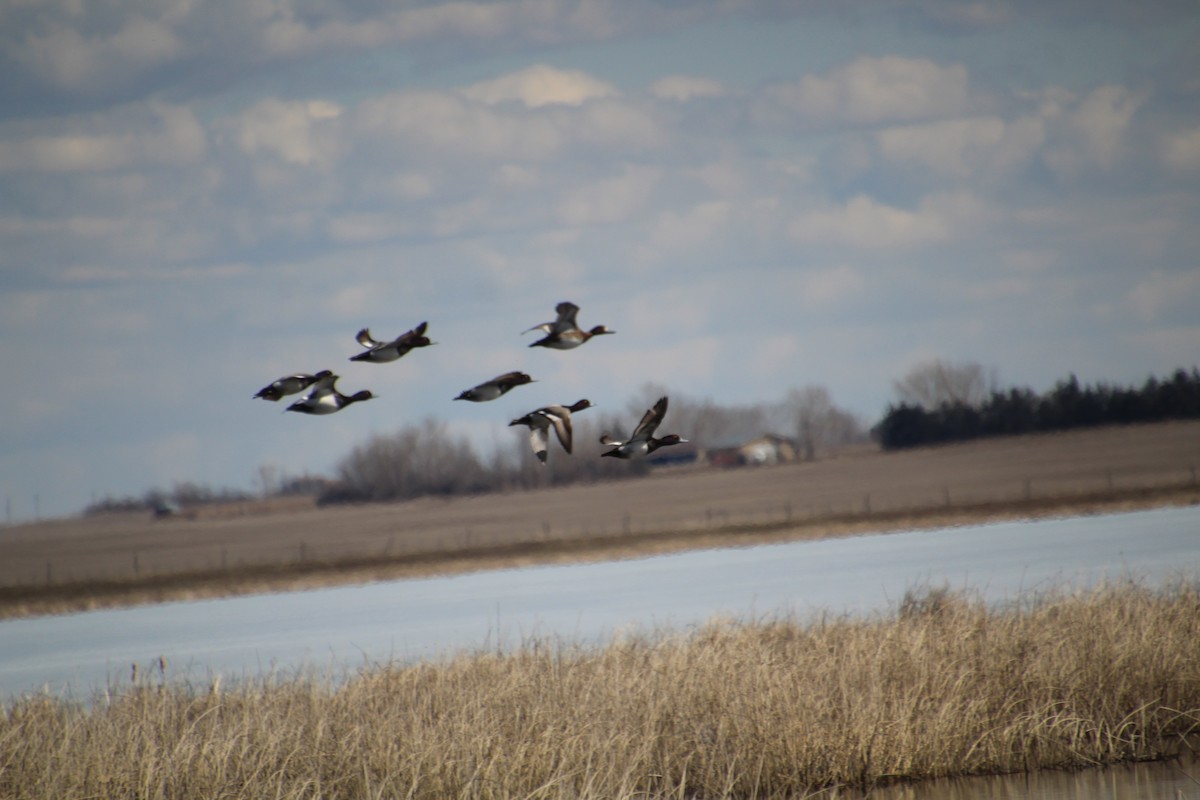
[343, 628]
[1160, 780]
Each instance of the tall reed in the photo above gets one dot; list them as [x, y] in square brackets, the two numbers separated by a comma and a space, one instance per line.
[754, 709]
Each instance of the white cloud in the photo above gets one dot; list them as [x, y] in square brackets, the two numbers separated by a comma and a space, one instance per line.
[962, 148]
[453, 125]
[65, 58]
[682, 88]
[1157, 293]
[359, 228]
[870, 91]
[822, 287]
[865, 222]
[691, 227]
[289, 130]
[1181, 150]
[287, 34]
[1093, 131]
[610, 199]
[541, 85]
[169, 135]
[1102, 119]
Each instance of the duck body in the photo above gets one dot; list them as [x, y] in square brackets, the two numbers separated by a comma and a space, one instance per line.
[496, 387]
[378, 352]
[324, 398]
[564, 333]
[543, 419]
[642, 442]
[290, 384]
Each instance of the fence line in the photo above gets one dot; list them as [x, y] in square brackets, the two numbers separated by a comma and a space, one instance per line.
[793, 508]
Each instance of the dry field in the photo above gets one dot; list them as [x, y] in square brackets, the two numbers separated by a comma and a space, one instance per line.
[81, 563]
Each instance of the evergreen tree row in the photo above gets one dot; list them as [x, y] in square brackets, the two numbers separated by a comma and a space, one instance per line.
[1068, 405]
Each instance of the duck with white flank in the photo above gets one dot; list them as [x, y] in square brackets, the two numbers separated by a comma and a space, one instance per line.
[490, 390]
[564, 333]
[324, 398]
[642, 442]
[378, 352]
[291, 384]
[540, 422]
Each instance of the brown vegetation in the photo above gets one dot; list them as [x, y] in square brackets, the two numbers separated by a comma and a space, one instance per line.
[759, 709]
[112, 559]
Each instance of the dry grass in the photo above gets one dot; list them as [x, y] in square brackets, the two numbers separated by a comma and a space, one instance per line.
[757, 709]
[66, 565]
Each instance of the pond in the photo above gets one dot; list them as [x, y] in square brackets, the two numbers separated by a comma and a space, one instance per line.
[340, 629]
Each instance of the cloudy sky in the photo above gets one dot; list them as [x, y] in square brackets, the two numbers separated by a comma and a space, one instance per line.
[199, 197]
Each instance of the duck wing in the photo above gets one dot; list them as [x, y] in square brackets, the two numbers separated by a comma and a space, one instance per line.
[651, 420]
[322, 386]
[413, 338]
[566, 316]
[560, 418]
[539, 440]
[364, 338]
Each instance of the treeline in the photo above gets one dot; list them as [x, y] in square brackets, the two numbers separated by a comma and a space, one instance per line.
[427, 459]
[186, 494]
[1021, 410]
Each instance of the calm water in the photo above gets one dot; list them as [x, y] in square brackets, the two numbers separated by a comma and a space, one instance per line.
[344, 628]
[1161, 780]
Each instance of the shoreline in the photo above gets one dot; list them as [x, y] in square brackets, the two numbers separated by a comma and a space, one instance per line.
[82, 596]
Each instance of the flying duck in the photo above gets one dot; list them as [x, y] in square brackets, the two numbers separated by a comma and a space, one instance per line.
[490, 390]
[540, 422]
[324, 398]
[564, 333]
[378, 352]
[291, 384]
[642, 442]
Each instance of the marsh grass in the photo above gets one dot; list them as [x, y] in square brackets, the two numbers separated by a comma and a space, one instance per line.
[749, 709]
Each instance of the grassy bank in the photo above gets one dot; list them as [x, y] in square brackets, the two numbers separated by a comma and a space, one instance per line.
[770, 708]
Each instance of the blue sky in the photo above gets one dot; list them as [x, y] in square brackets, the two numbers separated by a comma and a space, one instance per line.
[196, 198]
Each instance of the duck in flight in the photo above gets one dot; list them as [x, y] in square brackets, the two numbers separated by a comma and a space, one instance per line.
[642, 442]
[378, 352]
[564, 333]
[290, 384]
[324, 398]
[541, 421]
[497, 386]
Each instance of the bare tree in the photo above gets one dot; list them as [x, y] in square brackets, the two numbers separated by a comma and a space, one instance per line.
[702, 422]
[415, 460]
[935, 383]
[268, 479]
[819, 424]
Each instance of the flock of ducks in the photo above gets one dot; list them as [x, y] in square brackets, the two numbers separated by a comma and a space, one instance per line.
[323, 397]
